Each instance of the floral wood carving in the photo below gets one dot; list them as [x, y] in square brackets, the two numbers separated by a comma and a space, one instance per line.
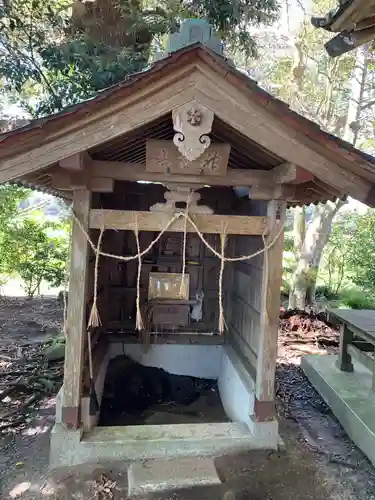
[194, 116]
[192, 123]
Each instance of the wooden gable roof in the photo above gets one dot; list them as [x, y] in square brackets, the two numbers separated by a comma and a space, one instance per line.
[114, 126]
[353, 20]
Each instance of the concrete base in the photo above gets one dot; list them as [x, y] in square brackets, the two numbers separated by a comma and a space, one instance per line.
[132, 443]
[349, 395]
[150, 442]
[161, 475]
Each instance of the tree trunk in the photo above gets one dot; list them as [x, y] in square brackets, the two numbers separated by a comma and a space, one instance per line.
[299, 229]
[302, 292]
[357, 84]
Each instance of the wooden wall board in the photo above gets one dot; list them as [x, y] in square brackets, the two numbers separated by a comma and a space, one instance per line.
[245, 297]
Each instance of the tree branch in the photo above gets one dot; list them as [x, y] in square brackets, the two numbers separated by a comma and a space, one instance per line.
[368, 105]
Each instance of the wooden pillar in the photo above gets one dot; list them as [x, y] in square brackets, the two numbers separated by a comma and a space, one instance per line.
[344, 361]
[76, 312]
[270, 310]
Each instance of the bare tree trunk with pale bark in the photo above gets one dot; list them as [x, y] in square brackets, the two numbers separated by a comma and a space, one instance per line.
[315, 237]
[302, 292]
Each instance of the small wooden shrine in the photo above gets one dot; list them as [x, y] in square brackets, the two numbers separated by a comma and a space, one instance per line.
[178, 179]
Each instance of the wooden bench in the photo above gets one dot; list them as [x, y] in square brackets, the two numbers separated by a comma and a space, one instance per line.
[357, 338]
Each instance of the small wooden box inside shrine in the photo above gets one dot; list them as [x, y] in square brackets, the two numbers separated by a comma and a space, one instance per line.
[168, 295]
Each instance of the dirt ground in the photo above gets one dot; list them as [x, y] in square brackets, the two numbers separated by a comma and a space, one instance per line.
[317, 462]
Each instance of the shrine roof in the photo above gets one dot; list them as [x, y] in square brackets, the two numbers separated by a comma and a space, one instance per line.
[30, 139]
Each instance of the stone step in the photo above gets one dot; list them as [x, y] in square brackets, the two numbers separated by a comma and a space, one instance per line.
[160, 441]
[171, 474]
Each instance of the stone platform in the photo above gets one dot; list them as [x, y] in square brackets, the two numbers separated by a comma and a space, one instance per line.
[349, 396]
[163, 475]
[134, 443]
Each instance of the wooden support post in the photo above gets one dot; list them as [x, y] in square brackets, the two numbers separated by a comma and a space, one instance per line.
[269, 321]
[344, 361]
[76, 313]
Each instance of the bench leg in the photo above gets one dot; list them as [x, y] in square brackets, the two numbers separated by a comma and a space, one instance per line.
[344, 363]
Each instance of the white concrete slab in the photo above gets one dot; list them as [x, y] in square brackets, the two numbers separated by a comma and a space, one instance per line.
[349, 395]
[166, 474]
[135, 443]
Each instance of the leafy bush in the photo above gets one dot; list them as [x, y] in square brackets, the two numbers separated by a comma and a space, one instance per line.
[325, 292]
[288, 243]
[361, 251]
[356, 299]
[36, 254]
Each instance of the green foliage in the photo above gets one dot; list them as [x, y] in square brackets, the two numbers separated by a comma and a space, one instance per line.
[361, 251]
[36, 253]
[356, 299]
[288, 243]
[57, 52]
[10, 198]
[324, 292]
[232, 19]
[334, 268]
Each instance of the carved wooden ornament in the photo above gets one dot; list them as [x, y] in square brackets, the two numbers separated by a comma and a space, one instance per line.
[192, 122]
[181, 193]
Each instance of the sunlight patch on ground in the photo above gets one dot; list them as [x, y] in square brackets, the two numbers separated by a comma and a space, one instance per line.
[37, 429]
[45, 490]
[19, 489]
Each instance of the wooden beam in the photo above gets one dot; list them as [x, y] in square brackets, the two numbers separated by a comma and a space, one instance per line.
[349, 16]
[75, 162]
[156, 221]
[235, 177]
[76, 312]
[269, 320]
[365, 23]
[101, 185]
[70, 181]
[164, 157]
[272, 192]
[349, 40]
[302, 175]
[284, 173]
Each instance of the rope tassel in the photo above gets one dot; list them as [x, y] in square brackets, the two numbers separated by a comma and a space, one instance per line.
[138, 317]
[94, 322]
[223, 241]
[94, 319]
